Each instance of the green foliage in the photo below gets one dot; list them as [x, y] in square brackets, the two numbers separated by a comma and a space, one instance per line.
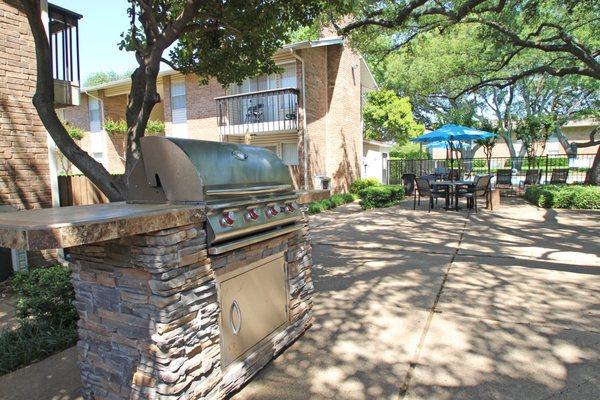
[534, 131]
[33, 342]
[305, 33]
[389, 118]
[111, 126]
[235, 40]
[564, 196]
[154, 128]
[100, 77]
[381, 196]
[47, 317]
[120, 126]
[314, 208]
[349, 197]
[361, 184]
[45, 295]
[410, 151]
[337, 200]
[334, 201]
[73, 131]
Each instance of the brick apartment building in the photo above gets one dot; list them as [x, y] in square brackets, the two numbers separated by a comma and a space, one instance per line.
[27, 173]
[309, 114]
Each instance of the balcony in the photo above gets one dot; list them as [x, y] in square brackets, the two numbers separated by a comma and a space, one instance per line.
[266, 111]
[64, 48]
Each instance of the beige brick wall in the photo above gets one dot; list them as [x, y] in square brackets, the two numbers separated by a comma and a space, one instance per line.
[24, 170]
[315, 64]
[344, 127]
[200, 105]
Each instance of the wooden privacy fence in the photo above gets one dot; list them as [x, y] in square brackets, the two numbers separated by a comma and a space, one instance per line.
[77, 190]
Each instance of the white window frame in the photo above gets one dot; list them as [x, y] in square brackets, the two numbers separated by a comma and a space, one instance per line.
[295, 144]
[94, 100]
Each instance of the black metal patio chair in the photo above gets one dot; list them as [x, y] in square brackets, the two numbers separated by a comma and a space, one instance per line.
[425, 190]
[532, 177]
[559, 176]
[479, 189]
[504, 179]
[408, 180]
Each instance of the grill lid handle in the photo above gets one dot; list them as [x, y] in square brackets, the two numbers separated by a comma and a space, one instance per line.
[248, 190]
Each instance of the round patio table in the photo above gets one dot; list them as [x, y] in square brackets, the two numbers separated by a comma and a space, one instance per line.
[452, 186]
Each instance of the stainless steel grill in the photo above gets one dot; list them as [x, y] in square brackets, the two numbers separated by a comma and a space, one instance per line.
[247, 190]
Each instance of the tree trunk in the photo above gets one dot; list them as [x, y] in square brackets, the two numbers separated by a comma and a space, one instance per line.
[43, 100]
[594, 176]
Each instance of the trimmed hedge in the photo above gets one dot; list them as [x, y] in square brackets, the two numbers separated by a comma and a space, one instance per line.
[564, 196]
[334, 201]
[361, 184]
[381, 196]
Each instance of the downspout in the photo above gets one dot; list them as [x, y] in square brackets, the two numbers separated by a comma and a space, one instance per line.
[305, 126]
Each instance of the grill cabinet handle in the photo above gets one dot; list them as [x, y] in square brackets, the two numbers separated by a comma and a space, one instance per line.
[235, 329]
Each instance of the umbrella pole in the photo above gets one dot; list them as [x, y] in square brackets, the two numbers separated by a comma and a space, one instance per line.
[420, 159]
[451, 160]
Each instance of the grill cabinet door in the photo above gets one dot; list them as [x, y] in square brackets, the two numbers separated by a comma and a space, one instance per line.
[253, 305]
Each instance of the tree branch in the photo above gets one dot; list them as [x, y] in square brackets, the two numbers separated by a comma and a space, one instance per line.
[43, 100]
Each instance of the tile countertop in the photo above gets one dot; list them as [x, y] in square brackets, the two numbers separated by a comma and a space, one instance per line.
[61, 227]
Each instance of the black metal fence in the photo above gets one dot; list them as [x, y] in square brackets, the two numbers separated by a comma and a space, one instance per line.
[469, 167]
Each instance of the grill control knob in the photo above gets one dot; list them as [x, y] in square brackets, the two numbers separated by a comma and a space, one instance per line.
[227, 219]
[252, 214]
[289, 207]
[272, 211]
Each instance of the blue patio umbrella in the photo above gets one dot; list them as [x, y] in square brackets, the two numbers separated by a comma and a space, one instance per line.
[451, 133]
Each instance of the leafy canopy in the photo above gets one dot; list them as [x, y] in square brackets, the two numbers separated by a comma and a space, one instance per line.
[238, 39]
[389, 118]
[100, 77]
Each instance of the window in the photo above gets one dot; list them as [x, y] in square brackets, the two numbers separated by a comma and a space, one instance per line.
[178, 110]
[289, 153]
[95, 112]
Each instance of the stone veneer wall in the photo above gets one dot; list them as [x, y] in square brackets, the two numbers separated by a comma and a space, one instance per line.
[149, 316]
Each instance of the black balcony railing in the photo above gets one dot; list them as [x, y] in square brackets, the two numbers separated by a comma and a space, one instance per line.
[267, 111]
[64, 43]
[578, 167]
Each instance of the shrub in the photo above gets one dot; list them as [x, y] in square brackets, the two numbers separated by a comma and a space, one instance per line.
[349, 197]
[326, 204]
[46, 294]
[153, 127]
[564, 196]
[361, 184]
[334, 201]
[479, 164]
[47, 317]
[314, 208]
[381, 196]
[337, 200]
[73, 131]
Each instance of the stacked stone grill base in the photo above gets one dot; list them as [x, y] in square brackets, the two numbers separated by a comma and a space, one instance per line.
[149, 314]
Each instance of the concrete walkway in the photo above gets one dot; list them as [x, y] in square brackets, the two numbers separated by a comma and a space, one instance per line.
[440, 305]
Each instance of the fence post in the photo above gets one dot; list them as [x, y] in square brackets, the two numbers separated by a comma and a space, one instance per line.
[546, 180]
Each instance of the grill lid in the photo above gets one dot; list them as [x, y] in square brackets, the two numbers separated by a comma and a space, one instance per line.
[186, 171]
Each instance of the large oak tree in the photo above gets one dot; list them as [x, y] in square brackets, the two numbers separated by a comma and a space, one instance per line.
[226, 39]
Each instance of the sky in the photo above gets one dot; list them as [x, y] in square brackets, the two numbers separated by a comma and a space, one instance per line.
[99, 34]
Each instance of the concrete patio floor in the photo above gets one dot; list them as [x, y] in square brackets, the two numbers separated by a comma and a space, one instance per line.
[418, 305]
